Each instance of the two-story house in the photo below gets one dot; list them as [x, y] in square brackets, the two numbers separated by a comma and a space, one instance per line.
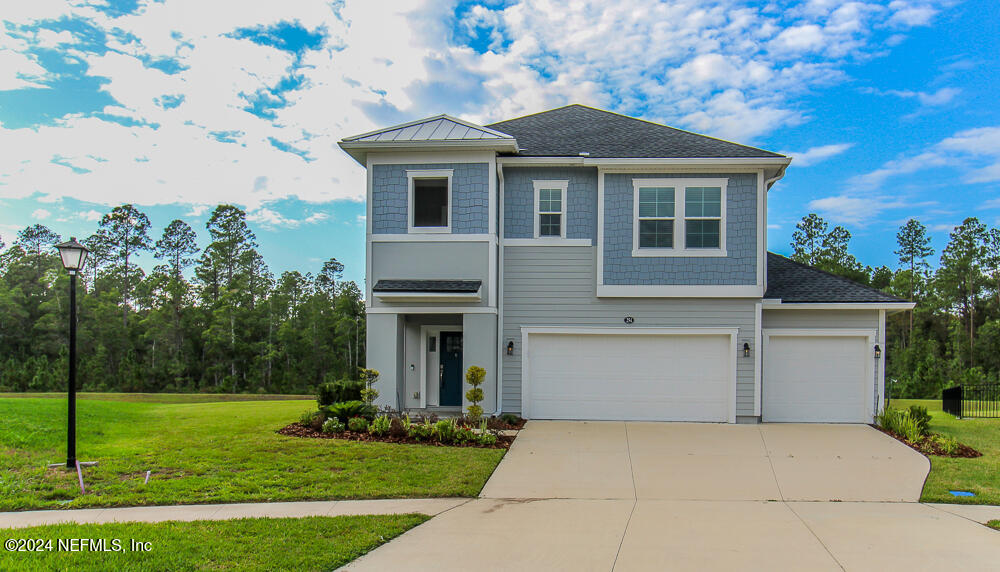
[602, 267]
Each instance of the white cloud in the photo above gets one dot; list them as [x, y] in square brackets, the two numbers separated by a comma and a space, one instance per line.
[991, 204]
[854, 210]
[40, 214]
[91, 215]
[728, 68]
[942, 96]
[814, 155]
[270, 218]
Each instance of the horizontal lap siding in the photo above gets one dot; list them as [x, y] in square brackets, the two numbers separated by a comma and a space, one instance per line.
[554, 286]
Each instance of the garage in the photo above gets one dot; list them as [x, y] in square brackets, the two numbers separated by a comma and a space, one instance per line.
[818, 376]
[617, 374]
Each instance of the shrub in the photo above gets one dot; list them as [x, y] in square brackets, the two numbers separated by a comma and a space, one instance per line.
[510, 419]
[357, 424]
[333, 425]
[921, 418]
[347, 409]
[406, 422]
[464, 435]
[380, 426]
[421, 431]
[475, 376]
[368, 378]
[900, 423]
[488, 439]
[332, 392]
[947, 444]
[307, 417]
[446, 429]
[396, 428]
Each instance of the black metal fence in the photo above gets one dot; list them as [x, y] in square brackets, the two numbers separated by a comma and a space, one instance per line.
[972, 400]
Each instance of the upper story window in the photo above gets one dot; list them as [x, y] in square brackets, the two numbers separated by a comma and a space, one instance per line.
[679, 217]
[550, 209]
[429, 200]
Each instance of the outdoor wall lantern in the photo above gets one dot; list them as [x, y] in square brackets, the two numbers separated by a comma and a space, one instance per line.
[878, 352]
[746, 349]
[74, 256]
[510, 348]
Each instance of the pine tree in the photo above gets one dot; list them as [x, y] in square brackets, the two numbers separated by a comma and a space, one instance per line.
[125, 233]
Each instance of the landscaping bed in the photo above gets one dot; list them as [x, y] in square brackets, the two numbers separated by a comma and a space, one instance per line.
[300, 430]
[930, 446]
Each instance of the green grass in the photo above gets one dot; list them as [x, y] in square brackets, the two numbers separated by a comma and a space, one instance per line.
[211, 453]
[994, 524]
[980, 476]
[164, 397]
[311, 543]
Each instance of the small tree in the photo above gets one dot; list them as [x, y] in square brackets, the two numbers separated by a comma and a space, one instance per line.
[475, 376]
[369, 376]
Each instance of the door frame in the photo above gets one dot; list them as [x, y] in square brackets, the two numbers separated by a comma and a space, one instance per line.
[528, 331]
[427, 360]
[869, 334]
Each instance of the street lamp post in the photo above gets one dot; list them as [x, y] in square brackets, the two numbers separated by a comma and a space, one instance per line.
[74, 257]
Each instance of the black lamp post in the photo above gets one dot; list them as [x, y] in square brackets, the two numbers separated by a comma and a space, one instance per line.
[74, 257]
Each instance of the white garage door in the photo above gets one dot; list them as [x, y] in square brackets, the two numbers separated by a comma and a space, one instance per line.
[629, 377]
[817, 378]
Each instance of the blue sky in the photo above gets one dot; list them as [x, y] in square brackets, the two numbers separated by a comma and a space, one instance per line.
[889, 107]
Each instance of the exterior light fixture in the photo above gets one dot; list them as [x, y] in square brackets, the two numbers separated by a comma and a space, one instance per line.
[510, 348]
[878, 352]
[74, 257]
[746, 349]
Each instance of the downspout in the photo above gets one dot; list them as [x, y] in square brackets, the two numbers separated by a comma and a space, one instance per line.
[499, 291]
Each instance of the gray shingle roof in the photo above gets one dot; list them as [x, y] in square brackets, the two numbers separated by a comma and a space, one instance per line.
[427, 286]
[794, 282]
[568, 131]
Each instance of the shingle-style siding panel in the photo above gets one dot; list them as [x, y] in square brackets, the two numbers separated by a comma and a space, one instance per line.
[519, 200]
[469, 194]
[554, 286]
[738, 267]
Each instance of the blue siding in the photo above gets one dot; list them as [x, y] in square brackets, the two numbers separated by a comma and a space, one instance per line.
[469, 194]
[519, 197]
[739, 267]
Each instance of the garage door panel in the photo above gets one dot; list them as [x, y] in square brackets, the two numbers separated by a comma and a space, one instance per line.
[816, 378]
[640, 377]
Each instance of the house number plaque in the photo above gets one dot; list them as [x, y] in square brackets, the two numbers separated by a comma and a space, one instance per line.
[629, 319]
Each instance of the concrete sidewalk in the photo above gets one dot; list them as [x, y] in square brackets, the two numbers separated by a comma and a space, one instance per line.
[430, 507]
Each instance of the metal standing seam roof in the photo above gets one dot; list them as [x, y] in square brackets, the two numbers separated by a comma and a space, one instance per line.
[438, 128]
[574, 129]
[795, 282]
[455, 286]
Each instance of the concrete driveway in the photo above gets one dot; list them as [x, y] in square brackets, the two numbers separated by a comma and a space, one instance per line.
[653, 496]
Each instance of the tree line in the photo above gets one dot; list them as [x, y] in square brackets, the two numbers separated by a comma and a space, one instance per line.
[232, 327]
[952, 337]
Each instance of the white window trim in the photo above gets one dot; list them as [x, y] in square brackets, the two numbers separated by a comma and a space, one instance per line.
[427, 174]
[680, 234]
[563, 186]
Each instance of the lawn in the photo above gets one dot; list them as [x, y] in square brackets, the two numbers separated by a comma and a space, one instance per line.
[980, 476]
[311, 543]
[165, 397]
[211, 453]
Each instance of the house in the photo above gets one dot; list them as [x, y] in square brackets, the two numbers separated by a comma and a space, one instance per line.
[602, 267]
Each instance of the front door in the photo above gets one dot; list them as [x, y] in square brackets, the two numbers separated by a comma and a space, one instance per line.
[451, 368]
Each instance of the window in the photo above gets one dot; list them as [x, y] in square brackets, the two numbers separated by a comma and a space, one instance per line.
[679, 217]
[702, 217]
[656, 217]
[550, 209]
[430, 200]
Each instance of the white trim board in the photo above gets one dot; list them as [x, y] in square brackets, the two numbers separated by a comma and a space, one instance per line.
[681, 291]
[528, 331]
[680, 187]
[431, 310]
[548, 241]
[430, 296]
[772, 304]
[433, 238]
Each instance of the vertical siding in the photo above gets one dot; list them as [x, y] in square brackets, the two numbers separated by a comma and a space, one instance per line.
[554, 286]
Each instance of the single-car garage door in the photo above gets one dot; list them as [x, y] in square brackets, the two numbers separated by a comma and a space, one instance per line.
[655, 377]
[818, 376]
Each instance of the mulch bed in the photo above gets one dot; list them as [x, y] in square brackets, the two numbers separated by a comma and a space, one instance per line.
[300, 430]
[930, 447]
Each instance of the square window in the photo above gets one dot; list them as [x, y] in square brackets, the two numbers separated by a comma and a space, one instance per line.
[549, 200]
[702, 234]
[703, 202]
[430, 202]
[549, 225]
[656, 234]
[656, 202]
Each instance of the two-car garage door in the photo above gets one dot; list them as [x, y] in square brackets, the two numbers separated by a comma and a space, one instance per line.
[648, 376]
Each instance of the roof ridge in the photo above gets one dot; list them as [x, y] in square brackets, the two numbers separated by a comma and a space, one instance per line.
[832, 275]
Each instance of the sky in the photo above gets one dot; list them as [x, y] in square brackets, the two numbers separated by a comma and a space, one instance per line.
[889, 107]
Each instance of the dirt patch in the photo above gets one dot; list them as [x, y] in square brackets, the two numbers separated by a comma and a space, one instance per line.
[928, 446]
[300, 430]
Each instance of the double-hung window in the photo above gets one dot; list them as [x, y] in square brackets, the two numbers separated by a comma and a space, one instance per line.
[679, 217]
[550, 209]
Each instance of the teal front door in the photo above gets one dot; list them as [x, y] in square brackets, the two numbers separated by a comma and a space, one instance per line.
[451, 368]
